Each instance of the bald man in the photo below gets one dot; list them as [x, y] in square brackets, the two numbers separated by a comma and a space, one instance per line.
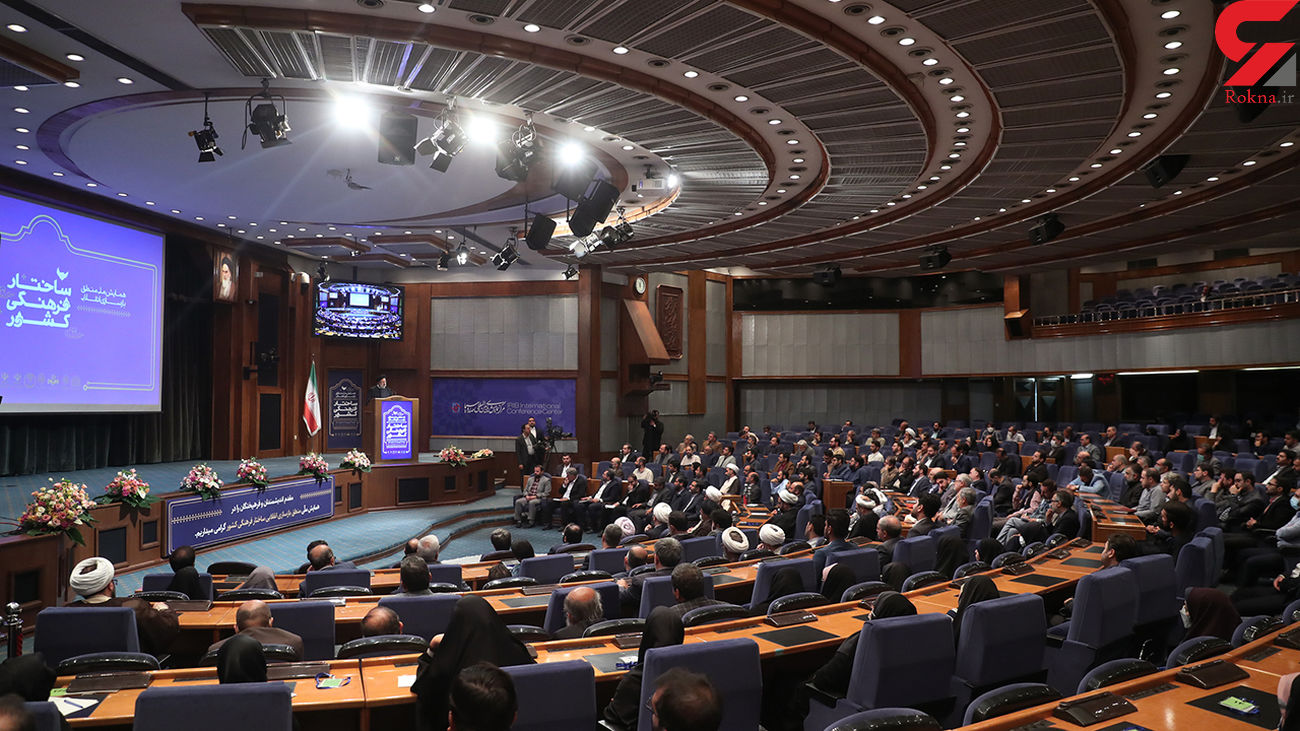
[582, 608]
[381, 621]
[253, 618]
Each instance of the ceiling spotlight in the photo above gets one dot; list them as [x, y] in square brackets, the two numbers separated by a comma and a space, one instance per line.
[444, 262]
[827, 277]
[618, 234]
[265, 120]
[673, 180]
[507, 256]
[532, 28]
[425, 7]
[482, 129]
[571, 272]
[518, 153]
[571, 153]
[462, 255]
[446, 142]
[1048, 228]
[936, 258]
[206, 138]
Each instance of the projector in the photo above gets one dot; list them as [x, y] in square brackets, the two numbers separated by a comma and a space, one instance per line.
[656, 184]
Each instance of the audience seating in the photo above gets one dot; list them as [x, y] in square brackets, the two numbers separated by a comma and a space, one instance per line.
[768, 569]
[866, 589]
[607, 559]
[1113, 672]
[547, 569]
[263, 706]
[243, 595]
[316, 580]
[424, 616]
[966, 569]
[556, 695]
[510, 582]
[696, 548]
[526, 633]
[1197, 649]
[382, 646]
[555, 619]
[792, 602]
[863, 562]
[1105, 610]
[893, 719]
[160, 582]
[313, 621]
[714, 613]
[448, 573]
[1195, 567]
[45, 715]
[916, 553]
[621, 626]
[108, 662]
[793, 547]
[923, 579]
[1251, 628]
[581, 576]
[327, 592]
[1000, 641]
[1157, 605]
[897, 663]
[64, 632]
[271, 652]
[1008, 699]
[657, 591]
[733, 667]
[231, 568]
[161, 596]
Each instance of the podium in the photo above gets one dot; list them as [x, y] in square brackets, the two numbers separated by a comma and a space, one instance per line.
[396, 426]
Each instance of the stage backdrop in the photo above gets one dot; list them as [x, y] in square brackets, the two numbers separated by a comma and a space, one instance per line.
[496, 407]
[343, 415]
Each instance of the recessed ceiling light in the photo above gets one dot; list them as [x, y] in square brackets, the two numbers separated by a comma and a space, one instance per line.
[21, 130]
[1050, 190]
[1134, 134]
[589, 129]
[21, 162]
[1116, 151]
[891, 203]
[876, 19]
[956, 98]
[22, 147]
[1002, 210]
[300, 228]
[233, 218]
[1074, 179]
[907, 41]
[934, 178]
[945, 81]
[773, 122]
[1095, 165]
[1164, 95]
[742, 98]
[1171, 45]
[125, 80]
[1150, 115]
[1024, 200]
[1178, 192]
[792, 142]
[922, 187]
[1212, 179]
[1170, 14]
[425, 7]
[1248, 163]
[959, 143]
[794, 177]
[930, 62]
[92, 185]
[198, 218]
[22, 110]
[738, 213]
[532, 28]
[875, 210]
[20, 87]
[259, 238]
[16, 28]
[945, 167]
[691, 74]
[627, 147]
[1286, 144]
[1171, 71]
[780, 190]
[963, 130]
[976, 218]
[149, 203]
[57, 174]
[176, 210]
[72, 84]
[620, 50]
[797, 159]
[762, 203]
[962, 115]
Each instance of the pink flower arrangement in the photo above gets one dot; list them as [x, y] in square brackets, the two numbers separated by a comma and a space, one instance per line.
[253, 472]
[59, 508]
[203, 481]
[356, 460]
[313, 464]
[127, 487]
[482, 454]
[452, 455]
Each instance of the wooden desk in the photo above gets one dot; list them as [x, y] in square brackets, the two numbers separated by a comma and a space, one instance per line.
[835, 493]
[324, 705]
[1110, 518]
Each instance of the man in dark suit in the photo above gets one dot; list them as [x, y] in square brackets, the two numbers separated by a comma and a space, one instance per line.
[321, 558]
[652, 430]
[837, 529]
[528, 447]
[927, 506]
[1036, 473]
[668, 553]
[381, 389]
[572, 491]
[610, 492]
[253, 618]
[890, 531]
[156, 623]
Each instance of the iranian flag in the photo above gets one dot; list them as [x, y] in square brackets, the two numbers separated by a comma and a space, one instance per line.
[311, 404]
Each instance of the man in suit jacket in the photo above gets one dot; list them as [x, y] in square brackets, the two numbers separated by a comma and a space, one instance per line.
[381, 389]
[321, 558]
[610, 492]
[528, 447]
[569, 501]
[837, 530]
[253, 618]
[1063, 518]
[1086, 447]
[890, 531]
[927, 506]
[1112, 438]
[536, 492]
[652, 430]
[668, 553]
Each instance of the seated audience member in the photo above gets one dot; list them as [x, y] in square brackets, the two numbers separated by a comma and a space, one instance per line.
[1119, 547]
[786, 513]
[1209, 613]
[950, 553]
[408, 549]
[787, 581]
[837, 532]
[668, 553]
[734, 543]
[659, 520]
[501, 540]
[1028, 517]
[688, 589]
[413, 577]
[927, 506]
[663, 628]
[814, 531]
[612, 535]
[1175, 529]
[678, 524]
[1090, 482]
[978, 588]
[482, 698]
[963, 511]
[535, 492]
[253, 619]
[475, 634]
[27, 677]
[334, 563]
[685, 701]
[522, 549]
[573, 489]
[241, 660]
[637, 556]
[890, 531]
[92, 579]
[1061, 518]
[597, 510]
[1288, 700]
[571, 536]
[863, 521]
[321, 558]
[429, 548]
[381, 621]
[582, 608]
[261, 577]
[185, 578]
[770, 540]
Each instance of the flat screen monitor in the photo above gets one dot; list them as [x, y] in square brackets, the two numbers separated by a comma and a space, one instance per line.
[359, 310]
[81, 313]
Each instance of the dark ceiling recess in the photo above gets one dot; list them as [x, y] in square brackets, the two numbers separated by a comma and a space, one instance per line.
[868, 293]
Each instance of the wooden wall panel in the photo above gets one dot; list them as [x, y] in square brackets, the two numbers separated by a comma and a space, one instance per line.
[698, 349]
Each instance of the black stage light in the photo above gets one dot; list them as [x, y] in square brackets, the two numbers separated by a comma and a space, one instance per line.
[265, 120]
[445, 143]
[1048, 228]
[937, 258]
[571, 272]
[516, 154]
[444, 262]
[462, 255]
[503, 259]
[206, 137]
[540, 232]
[1164, 169]
[827, 277]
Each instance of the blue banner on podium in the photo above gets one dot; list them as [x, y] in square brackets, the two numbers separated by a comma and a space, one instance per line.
[193, 521]
[396, 430]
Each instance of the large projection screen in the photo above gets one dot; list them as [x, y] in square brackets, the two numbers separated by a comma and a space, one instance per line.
[81, 306]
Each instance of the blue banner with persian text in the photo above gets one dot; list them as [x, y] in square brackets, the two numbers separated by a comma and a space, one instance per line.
[244, 512]
[396, 430]
[343, 410]
[496, 407]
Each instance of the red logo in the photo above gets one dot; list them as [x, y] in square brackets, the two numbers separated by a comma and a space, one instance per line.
[455, 408]
[1256, 59]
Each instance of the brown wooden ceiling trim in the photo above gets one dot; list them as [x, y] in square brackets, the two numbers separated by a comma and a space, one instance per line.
[36, 62]
[1170, 322]
[467, 40]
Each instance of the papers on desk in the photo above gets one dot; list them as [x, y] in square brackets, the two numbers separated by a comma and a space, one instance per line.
[76, 706]
[405, 681]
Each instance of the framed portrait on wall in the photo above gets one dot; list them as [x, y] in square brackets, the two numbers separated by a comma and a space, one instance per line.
[225, 276]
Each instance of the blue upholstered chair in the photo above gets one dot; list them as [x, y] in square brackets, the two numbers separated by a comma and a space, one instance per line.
[315, 580]
[160, 582]
[263, 706]
[917, 553]
[1101, 628]
[657, 591]
[547, 569]
[1000, 641]
[863, 562]
[555, 619]
[1195, 566]
[313, 621]
[696, 548]
[557, 695]
[64, 632]
[732, 666]
[425, 616]
[768, 569]
[607, 559]
[1007, 699]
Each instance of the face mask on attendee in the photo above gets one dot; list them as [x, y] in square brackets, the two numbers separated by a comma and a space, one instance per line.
[1187, 618]
[1295, 502]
